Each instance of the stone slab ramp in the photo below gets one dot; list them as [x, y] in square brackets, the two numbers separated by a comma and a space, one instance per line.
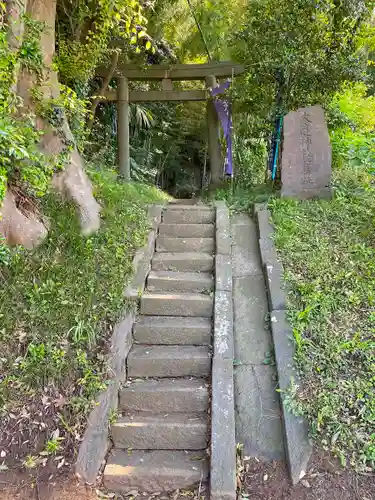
[257, 405]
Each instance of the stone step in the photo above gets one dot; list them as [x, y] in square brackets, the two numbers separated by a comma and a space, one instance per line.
[178, 304]
[172, 330]
[182, 215]
[183, 261]
[169, 244]
[179, 282]
[188, 206]
[187, 230]
[171, 395]
[175, 431]
[154, 471]
[185, 201]
[169, 361]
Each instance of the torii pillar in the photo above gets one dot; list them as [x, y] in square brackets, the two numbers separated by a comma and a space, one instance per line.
[123, 128]
[213, 135]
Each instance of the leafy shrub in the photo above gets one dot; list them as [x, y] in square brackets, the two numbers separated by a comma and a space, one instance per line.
[352, 120]
[250, 161]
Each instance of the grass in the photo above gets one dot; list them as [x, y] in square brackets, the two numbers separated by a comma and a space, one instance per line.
[57, 307]
[241, 199]
[328, 250]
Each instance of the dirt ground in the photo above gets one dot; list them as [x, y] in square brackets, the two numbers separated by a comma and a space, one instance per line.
[257, 480]
[20, 486]
[325, 480]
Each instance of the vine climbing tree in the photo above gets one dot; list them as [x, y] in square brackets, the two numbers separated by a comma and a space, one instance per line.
[39, 95]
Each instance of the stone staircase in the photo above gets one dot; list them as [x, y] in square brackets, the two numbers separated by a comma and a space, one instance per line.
[161, 438]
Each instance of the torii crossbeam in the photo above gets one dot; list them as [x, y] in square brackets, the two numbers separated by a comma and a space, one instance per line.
[167, 74]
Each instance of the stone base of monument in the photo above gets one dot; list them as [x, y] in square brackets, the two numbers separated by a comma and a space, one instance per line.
[324, 194]
[306, 164]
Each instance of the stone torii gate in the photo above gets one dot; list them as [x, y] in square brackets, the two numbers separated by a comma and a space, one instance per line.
[167, 74]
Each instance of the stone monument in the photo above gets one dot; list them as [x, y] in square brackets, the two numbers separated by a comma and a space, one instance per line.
[306, 157]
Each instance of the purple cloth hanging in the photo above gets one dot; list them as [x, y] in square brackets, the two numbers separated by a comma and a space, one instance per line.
[223, 109]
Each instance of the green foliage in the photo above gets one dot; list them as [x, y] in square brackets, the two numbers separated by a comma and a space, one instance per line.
[22, 163]
[67, 105]
[101, 144]
[250, 154]
[30, 54]
[167, 144]
[302, 49]
[53, 445]
[30, 462]
[351, 117]
[7, 64]
[355, 104]
[2, 12]
[174, 20]
[74, 64]
[65, 296]
[241, 199]
[327, 250]
[93, 26]
[249, 184]
[85, 32]
[20, 159]
[4, 252]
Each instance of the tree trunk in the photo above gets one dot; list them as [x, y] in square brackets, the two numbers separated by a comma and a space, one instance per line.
[15, 11]
[72, 183]
[19, 226]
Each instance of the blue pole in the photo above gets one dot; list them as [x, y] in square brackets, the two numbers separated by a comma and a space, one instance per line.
[278, 136]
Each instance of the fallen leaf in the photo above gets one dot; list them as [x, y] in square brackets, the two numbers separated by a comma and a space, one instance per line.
[302, 474]
[60, 402]
[21, 336]
[101, 494]
[55, 434]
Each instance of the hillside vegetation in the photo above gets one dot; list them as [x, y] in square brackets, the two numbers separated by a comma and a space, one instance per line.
[59, 300]
[327, 248]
